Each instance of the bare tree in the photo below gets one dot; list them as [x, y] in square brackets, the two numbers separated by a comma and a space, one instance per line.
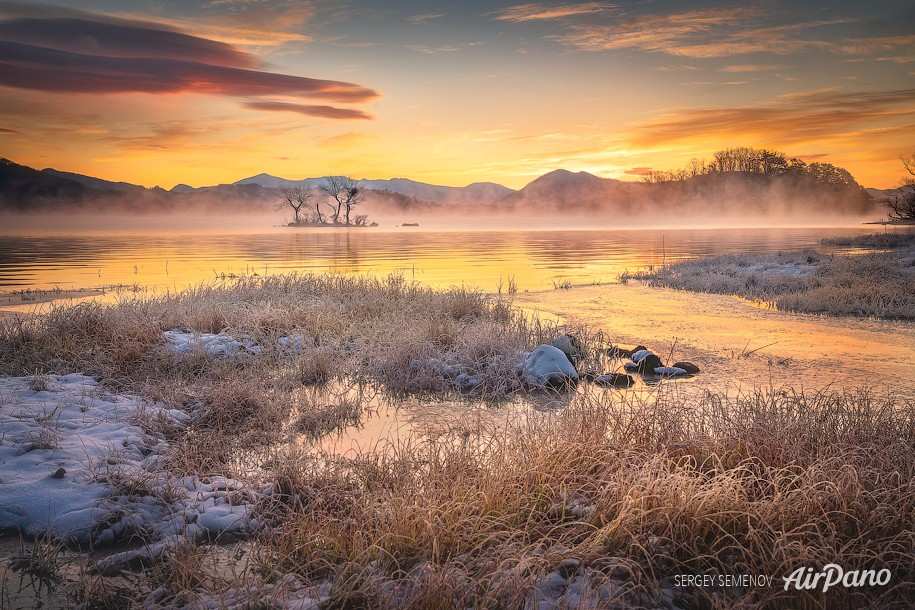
[909, 164]
[345, 194]
[297, 198]
[902, 206]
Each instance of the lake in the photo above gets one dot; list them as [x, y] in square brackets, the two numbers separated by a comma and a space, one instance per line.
[534, 259]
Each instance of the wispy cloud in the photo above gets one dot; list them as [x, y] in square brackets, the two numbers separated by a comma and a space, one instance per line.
[651, 32]
[747, 68]
[326, 112]
[58, 50]
[424, 17]
[545, 12]
[698, 34]
[794, 118]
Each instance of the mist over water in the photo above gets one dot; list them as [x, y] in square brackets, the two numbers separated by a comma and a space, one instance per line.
[532, 259]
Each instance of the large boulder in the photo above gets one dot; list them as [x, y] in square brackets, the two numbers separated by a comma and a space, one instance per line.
[547, 366]
[571, 347]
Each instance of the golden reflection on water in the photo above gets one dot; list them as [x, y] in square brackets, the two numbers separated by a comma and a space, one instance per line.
[531, 260]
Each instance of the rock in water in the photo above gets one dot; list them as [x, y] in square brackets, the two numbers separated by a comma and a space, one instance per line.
[689, 367]
[548, 367]
[648, 363]
[614, 380]
[570, 346]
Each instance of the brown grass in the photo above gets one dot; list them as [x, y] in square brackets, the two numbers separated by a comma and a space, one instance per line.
[636, 487]
[880, 285]
[756, 484]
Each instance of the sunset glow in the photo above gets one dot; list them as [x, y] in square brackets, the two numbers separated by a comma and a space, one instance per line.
[208, 92]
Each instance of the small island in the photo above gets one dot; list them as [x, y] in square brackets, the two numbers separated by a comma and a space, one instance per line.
[340, 193]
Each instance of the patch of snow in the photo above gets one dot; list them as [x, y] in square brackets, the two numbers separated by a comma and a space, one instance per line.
[669, 371]
[221, 345]
[640, 355]
[75, 463]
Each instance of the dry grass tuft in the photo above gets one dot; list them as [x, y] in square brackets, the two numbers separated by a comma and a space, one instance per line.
[880, 285]
[756, 484]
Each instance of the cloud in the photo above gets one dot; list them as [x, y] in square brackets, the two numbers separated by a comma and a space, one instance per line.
[709, 33]
[745, 68]
[542, 12]
[43, 69]
[120, 39]
[639, 171]
[424, 17]
[8, 132]
[875, 44]
[800, 117]
[651, 32]
[325, 112]
[429, 50]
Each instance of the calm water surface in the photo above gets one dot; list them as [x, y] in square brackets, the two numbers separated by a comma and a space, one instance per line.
[533, 259]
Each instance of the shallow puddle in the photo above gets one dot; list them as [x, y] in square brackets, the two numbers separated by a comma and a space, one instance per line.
[740, 345]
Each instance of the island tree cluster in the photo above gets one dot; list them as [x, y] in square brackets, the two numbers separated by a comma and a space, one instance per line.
[331, 204]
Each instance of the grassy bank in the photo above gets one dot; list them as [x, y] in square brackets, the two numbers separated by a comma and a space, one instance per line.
[598, 505]
[879, 284]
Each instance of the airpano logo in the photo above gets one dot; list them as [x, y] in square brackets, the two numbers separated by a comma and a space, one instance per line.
[833, 575]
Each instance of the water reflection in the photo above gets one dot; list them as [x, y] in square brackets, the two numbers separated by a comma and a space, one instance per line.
[485, 259]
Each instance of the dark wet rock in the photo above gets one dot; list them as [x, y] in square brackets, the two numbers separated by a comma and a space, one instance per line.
[648, 363]
[59, 473]
[689, 367]
[548, 367]
[571, 347]
[617, 351]
[588, 376]
[614, 380]
[631, 367]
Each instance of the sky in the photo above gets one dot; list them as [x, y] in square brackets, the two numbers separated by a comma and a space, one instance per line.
[160, 92]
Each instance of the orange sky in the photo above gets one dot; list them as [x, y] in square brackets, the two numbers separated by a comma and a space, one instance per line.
[214, 91]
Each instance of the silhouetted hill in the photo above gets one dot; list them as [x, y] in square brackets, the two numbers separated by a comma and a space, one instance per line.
[478, 191]
[710, 196]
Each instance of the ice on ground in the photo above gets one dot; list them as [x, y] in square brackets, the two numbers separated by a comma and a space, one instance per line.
[221, 345]
[66, 423]
[669, 371]
[640, 355]
[76, 463]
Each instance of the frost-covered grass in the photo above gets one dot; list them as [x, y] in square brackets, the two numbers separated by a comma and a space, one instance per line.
[634, 491]
[880, 285]
[872, 240]
[601, 503]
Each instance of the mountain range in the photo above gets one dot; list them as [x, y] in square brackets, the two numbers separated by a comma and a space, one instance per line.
[24, 189]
